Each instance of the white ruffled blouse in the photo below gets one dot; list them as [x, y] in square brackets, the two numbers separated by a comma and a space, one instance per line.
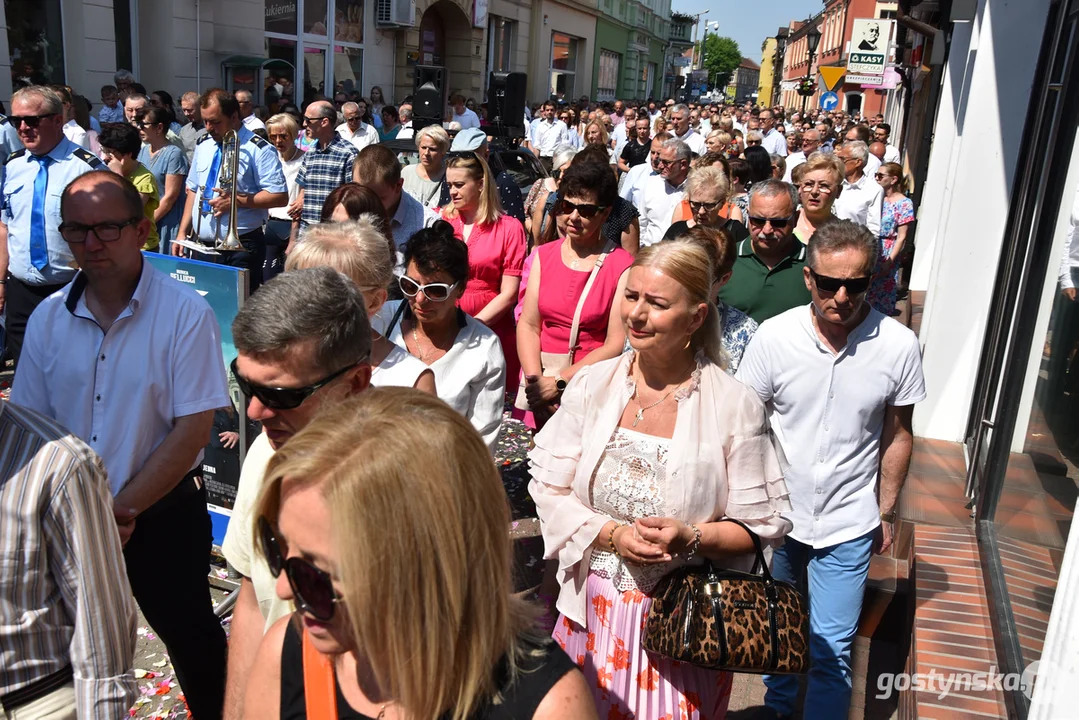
[722, 462]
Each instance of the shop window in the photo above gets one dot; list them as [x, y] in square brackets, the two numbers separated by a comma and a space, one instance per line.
[281, 17]
[607, 79]
[36, 42]
[563, 72]
[500, 34]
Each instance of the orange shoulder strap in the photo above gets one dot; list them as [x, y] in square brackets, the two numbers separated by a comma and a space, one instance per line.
[319, 685]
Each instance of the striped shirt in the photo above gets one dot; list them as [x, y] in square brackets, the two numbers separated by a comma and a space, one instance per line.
[64, 594]
[323, 170]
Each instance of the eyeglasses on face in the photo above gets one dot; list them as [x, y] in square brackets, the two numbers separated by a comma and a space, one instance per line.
[855, 286]
[818, 186]
[435, 292]
[664, 163]
[311, 120]
[285, 398]
[31, 120]
[698, 206]
[585, 210]
[75, 233]
[311, 586]
[776, 222]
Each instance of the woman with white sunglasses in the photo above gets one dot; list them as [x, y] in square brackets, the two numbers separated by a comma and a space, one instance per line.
[463, 353]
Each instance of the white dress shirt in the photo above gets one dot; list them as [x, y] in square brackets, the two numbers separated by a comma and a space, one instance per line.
[793, 160]
[1070, 261]
[658, 200]
[74, 132]
[775, 143]
[695, 141]
[827, 411]
[861, 202]
[618, 135]
[634, 180]
[406, 132]
[121, 392]
[365, 135]
[546, 136]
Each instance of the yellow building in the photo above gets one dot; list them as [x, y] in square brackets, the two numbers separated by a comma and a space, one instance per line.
[766, 86]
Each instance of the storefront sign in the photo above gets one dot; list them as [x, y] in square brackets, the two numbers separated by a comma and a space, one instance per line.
[479, 13]
[870, 80]
[869, 46]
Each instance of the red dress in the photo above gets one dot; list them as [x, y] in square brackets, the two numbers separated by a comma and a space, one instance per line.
[494, 251]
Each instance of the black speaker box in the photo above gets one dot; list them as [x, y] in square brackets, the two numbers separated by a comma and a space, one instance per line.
[506, 98]
[428, 96]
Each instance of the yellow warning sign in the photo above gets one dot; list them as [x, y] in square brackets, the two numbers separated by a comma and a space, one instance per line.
[832, 76]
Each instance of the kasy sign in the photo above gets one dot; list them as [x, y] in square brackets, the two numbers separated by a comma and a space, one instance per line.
[869, 47]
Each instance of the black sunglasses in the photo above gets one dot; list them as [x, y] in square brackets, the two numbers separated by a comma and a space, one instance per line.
[75, 233]
[309, 120]
[285, 398]
[30, 120]
[855, 286]
[585, 210]
[312, 587]
[777, 222]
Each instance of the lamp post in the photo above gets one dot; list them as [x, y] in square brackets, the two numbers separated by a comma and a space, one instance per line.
[812, 40]
[777, 63]
[696, 55]
[714, 24]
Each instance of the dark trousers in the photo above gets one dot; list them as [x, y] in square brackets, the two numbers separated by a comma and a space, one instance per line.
[278, 233]
[250, 258]
[21, 299]
[168, 562]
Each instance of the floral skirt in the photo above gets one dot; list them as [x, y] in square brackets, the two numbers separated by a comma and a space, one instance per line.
[627, 682]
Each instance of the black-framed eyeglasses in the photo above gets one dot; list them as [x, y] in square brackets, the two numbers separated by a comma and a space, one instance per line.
[311, 586]
[855, 286]
[75, 233]
[777, 222]
[285, 398]
[30, 120]
[698, 206]
[435, 292]
[585, 210]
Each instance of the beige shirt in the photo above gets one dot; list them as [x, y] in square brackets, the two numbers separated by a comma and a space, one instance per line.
[239, 546]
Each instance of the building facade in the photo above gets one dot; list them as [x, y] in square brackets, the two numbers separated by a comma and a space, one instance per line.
[630, 49]
[744, 82]
[766, 84]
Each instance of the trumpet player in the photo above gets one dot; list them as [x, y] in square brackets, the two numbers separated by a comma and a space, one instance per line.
[260, 185]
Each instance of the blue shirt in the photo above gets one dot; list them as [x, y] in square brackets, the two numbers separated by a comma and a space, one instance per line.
[9, 142]
[259, 169]
[324, 169]
[69, 162]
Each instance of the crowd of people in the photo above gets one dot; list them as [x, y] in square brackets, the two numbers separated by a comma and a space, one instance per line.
[690, 310]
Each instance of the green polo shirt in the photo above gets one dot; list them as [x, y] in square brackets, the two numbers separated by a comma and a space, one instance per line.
[762, 293]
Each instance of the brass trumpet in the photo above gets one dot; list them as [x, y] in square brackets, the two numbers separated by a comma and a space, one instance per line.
[228, 180]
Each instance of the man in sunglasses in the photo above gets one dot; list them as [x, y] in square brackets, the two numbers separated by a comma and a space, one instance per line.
[303, 342]
[325, 166]
[38, 262]
[129, 360]
[767, 276]
[841, 380]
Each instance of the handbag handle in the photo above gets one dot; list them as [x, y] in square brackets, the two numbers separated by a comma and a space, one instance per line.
[765, 572]
[576, 326]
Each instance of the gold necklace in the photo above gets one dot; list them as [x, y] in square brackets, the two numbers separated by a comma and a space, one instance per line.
[416, 342]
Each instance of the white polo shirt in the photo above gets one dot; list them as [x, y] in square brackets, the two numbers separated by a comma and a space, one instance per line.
[121, 391]
[546, 136]
[861, 202]
[827, 411]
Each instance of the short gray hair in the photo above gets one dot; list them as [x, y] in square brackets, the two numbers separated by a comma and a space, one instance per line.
[774, 188]
[51, 99]
[122, 75]
[681, 150]
[316, 304]
[679, 108]
[839, 235]
[349, 106]
[405, 113]
[438, 135]
[858, 150]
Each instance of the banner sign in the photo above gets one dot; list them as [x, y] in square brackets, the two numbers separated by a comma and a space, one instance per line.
[225, 289]
[869, 46]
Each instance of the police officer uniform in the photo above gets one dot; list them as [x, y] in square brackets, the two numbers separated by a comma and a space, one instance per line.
[259, 169]
[39, 260]
[9, 141]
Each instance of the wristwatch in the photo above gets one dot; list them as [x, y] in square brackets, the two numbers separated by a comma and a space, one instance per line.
[560, 383]
[888, 517]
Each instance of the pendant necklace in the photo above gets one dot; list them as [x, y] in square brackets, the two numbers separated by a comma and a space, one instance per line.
[640, 409]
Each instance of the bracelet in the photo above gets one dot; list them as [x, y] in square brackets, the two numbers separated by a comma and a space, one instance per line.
[610, 540]
[696, 544]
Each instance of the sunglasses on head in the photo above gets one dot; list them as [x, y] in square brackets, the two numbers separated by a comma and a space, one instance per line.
[312, 587]
[285, 398]
[30, 120]
[435, 292]
[855, 286]
[585, 210]
[777, 222]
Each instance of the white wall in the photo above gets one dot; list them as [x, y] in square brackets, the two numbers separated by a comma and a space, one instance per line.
[971, 171]
[89, 45]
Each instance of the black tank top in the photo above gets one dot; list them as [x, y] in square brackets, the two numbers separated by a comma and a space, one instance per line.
[536, 675]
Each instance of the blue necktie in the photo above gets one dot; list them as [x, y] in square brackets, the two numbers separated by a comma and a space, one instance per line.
[211, 181]
[39, 253]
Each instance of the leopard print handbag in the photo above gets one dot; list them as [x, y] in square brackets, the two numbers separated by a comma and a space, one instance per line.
[729, 620]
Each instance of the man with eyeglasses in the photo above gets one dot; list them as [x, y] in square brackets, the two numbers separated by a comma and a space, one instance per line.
[35, 261]
[862, 197]
[325, 166]
[354, 129]
[302, 343]
[810, 145]
[246, 101]
[860, 133]
[774, 141]
[661, 195]
[841, 380]
[767, 275]
[634, 181]
[261, 186]
[129, 360]
[680, 123]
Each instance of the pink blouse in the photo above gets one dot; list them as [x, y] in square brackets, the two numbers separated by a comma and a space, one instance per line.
[722, 462]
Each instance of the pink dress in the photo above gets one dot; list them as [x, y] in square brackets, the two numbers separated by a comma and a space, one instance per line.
[494, 251]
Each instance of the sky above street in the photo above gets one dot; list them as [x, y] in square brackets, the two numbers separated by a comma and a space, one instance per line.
[748, 22]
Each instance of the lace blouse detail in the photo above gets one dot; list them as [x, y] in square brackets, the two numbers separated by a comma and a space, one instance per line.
[631, 483]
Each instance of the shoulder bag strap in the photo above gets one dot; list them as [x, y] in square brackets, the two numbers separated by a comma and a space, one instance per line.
[576, 327]
[395, 319]
[319, 684]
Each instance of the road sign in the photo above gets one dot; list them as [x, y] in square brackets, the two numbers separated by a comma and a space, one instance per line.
[831, 76]
[869, 46]
[829, 101]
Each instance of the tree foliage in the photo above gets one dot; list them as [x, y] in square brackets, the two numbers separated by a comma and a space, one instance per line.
[721, 58]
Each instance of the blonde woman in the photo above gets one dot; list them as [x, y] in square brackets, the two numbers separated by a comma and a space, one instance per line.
[496, 252]
[708, 194]
[699, 444]
[402, 575]
[424, 181]
[659, 126]
[717, 141]
[820, 184]
[359, 250]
